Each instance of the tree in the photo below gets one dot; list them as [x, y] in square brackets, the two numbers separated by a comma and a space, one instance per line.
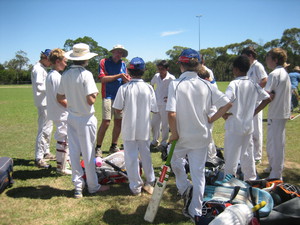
[94, 47]
[18, 64]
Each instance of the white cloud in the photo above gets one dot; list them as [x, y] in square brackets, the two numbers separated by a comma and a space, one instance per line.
[168, 33]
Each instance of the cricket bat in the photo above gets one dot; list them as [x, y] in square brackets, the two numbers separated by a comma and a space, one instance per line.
[159, 188]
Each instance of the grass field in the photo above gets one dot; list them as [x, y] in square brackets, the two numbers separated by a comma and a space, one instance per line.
[42, 197]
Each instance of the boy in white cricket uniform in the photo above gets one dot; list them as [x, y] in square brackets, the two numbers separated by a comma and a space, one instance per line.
[56, 112]
[244, 94]
[189, 100]
[159, 121]
[45, 126]
[279, 110]
[259, 76]
[79, 88]
[205, 75]
[137, 100]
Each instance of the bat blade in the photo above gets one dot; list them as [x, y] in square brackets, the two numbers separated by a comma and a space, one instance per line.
[159, 188]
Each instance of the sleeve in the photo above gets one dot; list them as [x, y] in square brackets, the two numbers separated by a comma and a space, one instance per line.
[262, 94]
[119, 100]
[153, 80]
[90, 85]
[270, 83]
[154, 107]
[261, 72]
[230, 92]
[60, 89]
[171, 103]
[219, 99]
[102, 71]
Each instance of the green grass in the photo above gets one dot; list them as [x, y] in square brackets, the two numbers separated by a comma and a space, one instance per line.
[42, 197]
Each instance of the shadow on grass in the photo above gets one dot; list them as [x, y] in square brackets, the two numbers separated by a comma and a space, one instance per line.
[38, 192]
[163, 216]
[34, 174]
[23, 162]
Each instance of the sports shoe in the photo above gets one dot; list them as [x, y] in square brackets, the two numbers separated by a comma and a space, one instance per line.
[63, 172]
[187, 198]
[98, 152]
[148, 188]
[153, 148]
[114, 149]
[78, 194]
[49, 156]
[42, 164]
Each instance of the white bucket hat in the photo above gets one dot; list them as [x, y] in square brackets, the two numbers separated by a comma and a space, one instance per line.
[120, 47]
[80, 52]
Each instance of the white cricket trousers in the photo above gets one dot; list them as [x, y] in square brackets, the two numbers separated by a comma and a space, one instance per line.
[160, 122]
[43, 137]
[258, 136]
[212, 151]
[62, 149]
[237, 149]
[276, 146]
[82, 137]
[197, 159]
[132, 150]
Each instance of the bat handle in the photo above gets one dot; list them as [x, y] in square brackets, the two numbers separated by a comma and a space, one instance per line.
[259, 206]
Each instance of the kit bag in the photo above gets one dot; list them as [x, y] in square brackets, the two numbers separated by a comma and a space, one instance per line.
[6, 170]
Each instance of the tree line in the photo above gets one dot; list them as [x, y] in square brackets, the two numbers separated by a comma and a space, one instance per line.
[219, 59]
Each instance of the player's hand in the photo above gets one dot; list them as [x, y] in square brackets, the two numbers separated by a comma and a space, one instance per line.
[125, 77]
[226, 115]
[173, 137]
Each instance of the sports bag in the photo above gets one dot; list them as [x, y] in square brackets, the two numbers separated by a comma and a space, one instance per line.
[6, 170]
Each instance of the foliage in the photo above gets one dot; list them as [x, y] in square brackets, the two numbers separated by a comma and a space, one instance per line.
[219, 59]
[94, 47]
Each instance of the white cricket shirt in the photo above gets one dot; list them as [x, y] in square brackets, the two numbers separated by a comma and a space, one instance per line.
[77, 83]
[279, 82]
[137, 100]
[55, 111]
[244, 94]
[192, 98]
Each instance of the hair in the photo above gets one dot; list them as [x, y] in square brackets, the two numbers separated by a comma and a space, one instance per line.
[136, 73]
[249, 51]
[81, 62]
[56, 54]
[203, 73]
[279, 54]
[192, 65]
[43, 56]
[242, 63]
[163, 63]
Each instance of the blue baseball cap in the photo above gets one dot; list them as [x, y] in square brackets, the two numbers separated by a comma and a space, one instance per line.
[46, 52]
[187, 54]
[137, 63]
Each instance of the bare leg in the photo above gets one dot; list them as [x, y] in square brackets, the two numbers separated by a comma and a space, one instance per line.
[102, 130]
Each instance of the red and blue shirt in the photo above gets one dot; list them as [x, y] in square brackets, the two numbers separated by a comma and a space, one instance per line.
[108, 67]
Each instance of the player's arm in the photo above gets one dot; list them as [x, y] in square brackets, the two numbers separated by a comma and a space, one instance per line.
[91, 99]
[110, 78]
[62, 100]
[264, 103]
[172, 125]
[222, 110]
[263, 82]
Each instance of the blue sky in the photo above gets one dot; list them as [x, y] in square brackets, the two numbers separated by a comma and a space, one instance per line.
[147, 28]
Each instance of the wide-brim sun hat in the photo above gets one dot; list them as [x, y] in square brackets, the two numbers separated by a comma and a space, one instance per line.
[297, 69]
[120, 47]
[80, 52]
